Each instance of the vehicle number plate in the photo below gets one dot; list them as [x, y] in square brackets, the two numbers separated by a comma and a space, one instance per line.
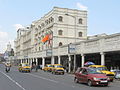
[103, 81]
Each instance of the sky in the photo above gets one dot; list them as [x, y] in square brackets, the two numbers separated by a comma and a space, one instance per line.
[103, 15]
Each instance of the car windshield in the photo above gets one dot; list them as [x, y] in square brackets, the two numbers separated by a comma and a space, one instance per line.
[50, 65]
[94, 71]
[25, 65]
[102, 68]
[59, 66]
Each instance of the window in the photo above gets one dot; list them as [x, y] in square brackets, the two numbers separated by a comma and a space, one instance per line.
[52, 19]
[60, 44]
[39, 26]
[60, 32]
[80, 34]
[60, 18]
[36, 28]
[42, 24]
[80, 21]
[49, 20]
[46, 22]
[84, 71]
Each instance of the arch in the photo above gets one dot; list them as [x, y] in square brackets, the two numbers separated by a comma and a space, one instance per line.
[80, 21]
[60, 18]
[80, 34]
[60, 44]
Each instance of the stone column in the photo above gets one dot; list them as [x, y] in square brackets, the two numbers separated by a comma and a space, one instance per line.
[83, 59]
[69, 63]
[33, 59]
[36, 60]
[43, 62]
[102, 58]
[59, 60]
[31, 62]
[25, 60]
[20, 60]
[52, 60]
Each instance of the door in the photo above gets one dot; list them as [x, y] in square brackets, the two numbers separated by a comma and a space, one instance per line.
[84, 75]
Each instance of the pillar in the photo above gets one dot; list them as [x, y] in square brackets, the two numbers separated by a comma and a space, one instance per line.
[43, 62]
[102, 58]
[31, 62]
[20, 60]
[52, 60]
[36, 61]
[59, 60]
[83, 59]
[74, 62]
[69, 63]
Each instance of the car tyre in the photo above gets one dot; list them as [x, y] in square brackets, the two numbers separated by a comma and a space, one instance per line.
[75, 80]
[89, 83]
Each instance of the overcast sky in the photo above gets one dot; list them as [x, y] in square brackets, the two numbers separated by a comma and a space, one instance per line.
[103, 15]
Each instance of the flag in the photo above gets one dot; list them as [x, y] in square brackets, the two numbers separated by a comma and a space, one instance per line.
[46, 38]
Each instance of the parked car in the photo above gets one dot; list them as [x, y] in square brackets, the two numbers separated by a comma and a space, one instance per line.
[58, 69]
[104, 69]
[48, 67]
[24, 67]
[90, 76]
[117, 74]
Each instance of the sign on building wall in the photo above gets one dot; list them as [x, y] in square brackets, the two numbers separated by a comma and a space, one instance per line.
[71, 48]
[25, 57]
[49, 52]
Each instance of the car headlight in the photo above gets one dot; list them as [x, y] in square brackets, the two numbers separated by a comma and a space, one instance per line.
[96, 78]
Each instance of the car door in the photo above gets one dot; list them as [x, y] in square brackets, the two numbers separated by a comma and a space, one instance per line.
[84, 75]
[78, 74]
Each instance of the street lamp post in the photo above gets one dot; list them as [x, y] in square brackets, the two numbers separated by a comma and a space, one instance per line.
[75, 40]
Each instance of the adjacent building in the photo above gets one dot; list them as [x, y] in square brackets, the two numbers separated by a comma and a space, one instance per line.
[9, 53]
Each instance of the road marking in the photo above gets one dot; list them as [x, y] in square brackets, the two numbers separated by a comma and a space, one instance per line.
[51, 80]
[43, 78]
[13, 80]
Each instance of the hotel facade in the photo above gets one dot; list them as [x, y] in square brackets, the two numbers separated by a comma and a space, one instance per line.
[60, 36]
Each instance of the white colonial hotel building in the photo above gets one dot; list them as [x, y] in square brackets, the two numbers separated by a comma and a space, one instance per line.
[60, 36]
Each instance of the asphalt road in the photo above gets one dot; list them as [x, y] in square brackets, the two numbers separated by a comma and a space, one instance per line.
[14, 80]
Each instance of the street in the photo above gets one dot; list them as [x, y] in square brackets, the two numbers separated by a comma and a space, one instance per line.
[15, 80]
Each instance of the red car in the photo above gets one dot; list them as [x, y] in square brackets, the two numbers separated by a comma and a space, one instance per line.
[90, 76]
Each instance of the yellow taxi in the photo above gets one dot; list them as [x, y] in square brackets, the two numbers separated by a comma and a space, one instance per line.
[48, 67]
[58, 69]
[24, 67]
[104, 69]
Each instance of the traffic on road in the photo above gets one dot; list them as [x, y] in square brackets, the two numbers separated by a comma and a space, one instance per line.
[54, 78]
